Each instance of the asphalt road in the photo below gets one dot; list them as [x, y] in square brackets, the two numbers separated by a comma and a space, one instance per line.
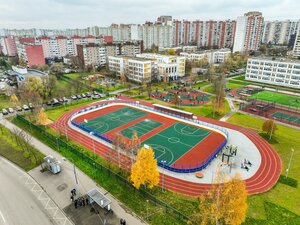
[18, 206]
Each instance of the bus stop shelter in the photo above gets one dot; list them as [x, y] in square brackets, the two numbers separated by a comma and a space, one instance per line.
[96, 196]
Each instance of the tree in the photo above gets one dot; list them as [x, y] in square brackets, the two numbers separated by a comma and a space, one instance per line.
[43, 68]
[144, 171]
[14, 99]
[34, 84]
[49, 84]
[269, 126]
[171, 52]
[225, 203]
[57, 70]
[42, 117]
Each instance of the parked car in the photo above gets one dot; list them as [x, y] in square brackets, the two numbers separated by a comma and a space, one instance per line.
[73, 97]
[31, 106]
[61, 100]
[78, 96]
[83, 95]
[95, 96]
[88, 94]
[19, 108]
[49, 103]
[55, 102]
[4, 112]
[25, 107]
[10, 110]
[65, 99]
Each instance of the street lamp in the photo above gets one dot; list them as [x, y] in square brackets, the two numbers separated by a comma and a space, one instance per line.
[162, 180]
[287, 170]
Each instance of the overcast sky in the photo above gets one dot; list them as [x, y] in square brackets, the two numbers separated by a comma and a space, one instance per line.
[84, 13]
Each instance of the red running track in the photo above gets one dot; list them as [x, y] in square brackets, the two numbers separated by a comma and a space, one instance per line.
[263, 180]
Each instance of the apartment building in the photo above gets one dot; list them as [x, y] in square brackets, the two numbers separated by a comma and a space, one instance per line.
[136, 69]
[8, 45]
[97, 54]
[296, 49]
[160, 35]
[279, 32]
[282, 72]
[213, 56]
[204, 33]
[172, 67]
[248, 32]
[31, 54]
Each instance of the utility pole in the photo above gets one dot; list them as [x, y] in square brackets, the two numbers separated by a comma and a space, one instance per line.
[273, 124]
[288, 169]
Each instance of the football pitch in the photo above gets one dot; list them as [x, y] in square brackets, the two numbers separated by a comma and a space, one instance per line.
[278, 98]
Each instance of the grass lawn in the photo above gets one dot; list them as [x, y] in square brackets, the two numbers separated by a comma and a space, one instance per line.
[242, 77]
[231, 85]
[282, 197]
[205, 110]
[4, 101]
[208, 89]
[199, 85]
[278, 98]
[13, 152]
[55, 112]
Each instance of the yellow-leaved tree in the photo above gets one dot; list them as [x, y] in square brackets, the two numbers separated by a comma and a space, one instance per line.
[42, 117]
[144, 170]
[269, 126]
[14, 99]
[225, 203]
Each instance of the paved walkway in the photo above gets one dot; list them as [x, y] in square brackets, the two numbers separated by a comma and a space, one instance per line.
[232, 110]
[59, 186]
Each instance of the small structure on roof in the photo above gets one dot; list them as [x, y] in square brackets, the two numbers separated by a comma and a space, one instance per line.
[95, 195]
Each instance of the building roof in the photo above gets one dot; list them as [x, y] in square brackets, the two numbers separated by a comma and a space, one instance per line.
[270, 59]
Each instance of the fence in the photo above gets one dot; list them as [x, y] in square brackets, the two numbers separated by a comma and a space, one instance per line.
[192, 168]
[57, 143]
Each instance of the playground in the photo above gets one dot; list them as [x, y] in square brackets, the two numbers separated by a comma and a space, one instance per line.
[185, 98]
[176, 144]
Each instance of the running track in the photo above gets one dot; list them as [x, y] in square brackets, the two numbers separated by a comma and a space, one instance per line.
[263, 180]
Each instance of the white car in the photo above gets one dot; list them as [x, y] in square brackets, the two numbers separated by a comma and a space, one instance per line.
[10, 110]
[25, 107]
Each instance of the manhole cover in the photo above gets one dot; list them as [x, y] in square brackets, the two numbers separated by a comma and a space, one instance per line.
[62, 187]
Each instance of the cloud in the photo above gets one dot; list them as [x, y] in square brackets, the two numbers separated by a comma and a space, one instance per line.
[84, 13]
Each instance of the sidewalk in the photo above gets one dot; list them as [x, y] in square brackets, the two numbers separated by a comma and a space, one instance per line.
[59, 186]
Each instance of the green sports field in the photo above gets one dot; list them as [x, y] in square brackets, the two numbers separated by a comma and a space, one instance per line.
[141, 128]
[287, 117]
[173, 142]
[278, 98]
[110, 121]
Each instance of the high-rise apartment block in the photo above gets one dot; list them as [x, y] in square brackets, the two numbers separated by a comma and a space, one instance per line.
[248, 34]
[97, 54]
[279, 32]
[296, 49]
